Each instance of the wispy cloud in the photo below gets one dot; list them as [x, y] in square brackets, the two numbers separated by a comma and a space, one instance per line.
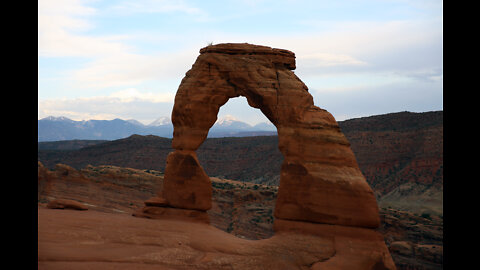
[124, 104]
[156, 6]
[63, 32]
[62, 27]
[132, 94]
[329, 60]
[404, 48]
[128, 69]
[159, 7]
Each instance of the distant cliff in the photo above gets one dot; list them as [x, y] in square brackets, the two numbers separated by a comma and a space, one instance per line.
[401, 155]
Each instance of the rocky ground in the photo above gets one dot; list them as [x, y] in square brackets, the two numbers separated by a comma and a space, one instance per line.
[244, 210]
[69, 239]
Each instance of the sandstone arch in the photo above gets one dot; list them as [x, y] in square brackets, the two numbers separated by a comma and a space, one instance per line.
[320, 178]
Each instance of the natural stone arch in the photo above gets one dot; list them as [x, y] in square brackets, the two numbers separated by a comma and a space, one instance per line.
[320, 179]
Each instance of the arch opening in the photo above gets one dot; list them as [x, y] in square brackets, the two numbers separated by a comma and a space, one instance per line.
[245, 174]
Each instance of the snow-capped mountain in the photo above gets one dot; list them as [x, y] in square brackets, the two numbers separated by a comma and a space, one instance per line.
[164, 120]
[58, 119]
[226, 120]
[230, 122]
[62, 128]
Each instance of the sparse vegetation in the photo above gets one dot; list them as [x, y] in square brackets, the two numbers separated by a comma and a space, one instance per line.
[230, 227]
[426, 215]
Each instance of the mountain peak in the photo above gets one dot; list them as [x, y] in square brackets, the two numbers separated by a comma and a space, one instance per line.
[164, 120]
[135, 122]
[59, 118]
[226, 120]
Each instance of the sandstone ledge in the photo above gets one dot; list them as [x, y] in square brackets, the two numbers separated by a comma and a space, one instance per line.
[245, 48]
[277, 55]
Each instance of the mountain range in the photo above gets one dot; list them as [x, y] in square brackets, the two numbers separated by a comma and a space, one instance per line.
[62, 128]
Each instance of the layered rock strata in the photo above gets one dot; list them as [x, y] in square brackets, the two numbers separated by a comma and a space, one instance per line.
[320, 180]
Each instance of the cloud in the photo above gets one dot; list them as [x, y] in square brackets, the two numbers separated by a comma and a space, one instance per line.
[111, 62]
[61, 31]
[132, 94]
[156, 6]
[124, 104]
[128, 69]
[414, 96]
[328, 60]
[64, 14]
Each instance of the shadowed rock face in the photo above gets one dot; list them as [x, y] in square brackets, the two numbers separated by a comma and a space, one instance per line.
[320, 178]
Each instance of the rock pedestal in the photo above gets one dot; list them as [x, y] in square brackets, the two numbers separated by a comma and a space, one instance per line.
[186, 184]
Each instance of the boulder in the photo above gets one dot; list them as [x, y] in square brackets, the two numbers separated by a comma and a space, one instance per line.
[66, 204]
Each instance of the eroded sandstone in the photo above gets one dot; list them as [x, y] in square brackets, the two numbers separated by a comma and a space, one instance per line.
[321, 184]
[320, 179]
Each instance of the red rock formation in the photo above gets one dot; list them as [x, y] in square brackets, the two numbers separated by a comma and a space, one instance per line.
[188, 186]
[102, 188]
[320, 179]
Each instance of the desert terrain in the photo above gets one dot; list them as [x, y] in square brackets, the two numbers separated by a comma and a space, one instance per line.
[241, 213]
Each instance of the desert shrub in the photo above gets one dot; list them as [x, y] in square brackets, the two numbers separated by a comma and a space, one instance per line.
[230, 227]
[426, 215]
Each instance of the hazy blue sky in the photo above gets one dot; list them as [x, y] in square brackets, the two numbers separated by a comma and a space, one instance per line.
[125, 59]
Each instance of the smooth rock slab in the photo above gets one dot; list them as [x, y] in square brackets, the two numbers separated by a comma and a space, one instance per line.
[97, 240]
